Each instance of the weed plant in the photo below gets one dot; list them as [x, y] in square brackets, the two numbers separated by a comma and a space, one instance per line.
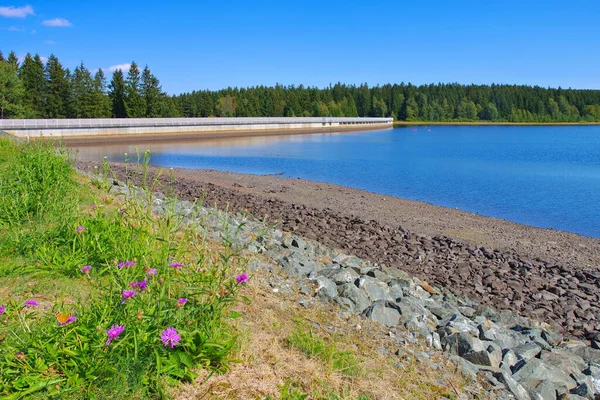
[158, 299]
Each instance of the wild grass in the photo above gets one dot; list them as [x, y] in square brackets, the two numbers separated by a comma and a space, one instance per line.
[101, 297]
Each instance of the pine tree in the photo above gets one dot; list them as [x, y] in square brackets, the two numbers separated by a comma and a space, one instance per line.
[11, 92]
[58, 89]
[13, 60]
[151, 93]
[100, 101]
[134, 103]
[117, 95]
[31, 74]
[82, 87]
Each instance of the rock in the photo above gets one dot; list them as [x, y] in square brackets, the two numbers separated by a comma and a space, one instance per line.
[482, 357]
[458, 324]
[340, 258]
[587, 353]
[537, 370]
[375, 289]
[384, 312]
[396, 292]
[346, 275]
[512, 385]
[326, 288]
[418, 325]
[564, 360]
[509, 360]
[461, 344]
[585, 385]
[593, 370]
[539, 389]
[527, 351]
[464, 366]
[357, 297]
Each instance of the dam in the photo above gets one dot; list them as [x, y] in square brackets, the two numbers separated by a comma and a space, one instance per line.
[124, 129]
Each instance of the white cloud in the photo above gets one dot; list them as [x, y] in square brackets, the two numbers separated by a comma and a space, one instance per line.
[44, 59]
[16, 12]
[123, 67]
[57, 23]
[16, 29]
[50, 42]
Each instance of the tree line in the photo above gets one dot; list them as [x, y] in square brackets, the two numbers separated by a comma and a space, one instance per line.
[32, 88]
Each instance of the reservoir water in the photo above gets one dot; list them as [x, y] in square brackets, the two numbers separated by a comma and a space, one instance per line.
[545, 176]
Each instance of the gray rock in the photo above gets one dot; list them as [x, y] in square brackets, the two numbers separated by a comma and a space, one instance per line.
[536, 369]
[564, 360]
[593, 370]
[461, 344]
[340, 258]
[467, 368]
[406, 284]
[379, 275]
[357, 297]
[539, 389]
[482, 357]
[515, 388]
[457, 324]
[384, 312]
[346, 275]
[345, 303]
[587, 353]
[396, 292]
[509, 360]
[585, 385]
[433, 340]
[326, 288]
[527, 351]
[375, 289]
[417, 324]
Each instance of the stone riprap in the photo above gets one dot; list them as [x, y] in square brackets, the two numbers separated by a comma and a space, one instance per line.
[523, 357]
[566, 297]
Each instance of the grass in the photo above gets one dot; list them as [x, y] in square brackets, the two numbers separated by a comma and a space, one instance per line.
[150, 308]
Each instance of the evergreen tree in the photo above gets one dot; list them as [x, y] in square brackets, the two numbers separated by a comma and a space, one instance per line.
[83, 93]
[58, 90]
[100, 101]
[11, 92]
[117, 95]
[13, 60]
[152, 94]
[134, 103]
[31, 74]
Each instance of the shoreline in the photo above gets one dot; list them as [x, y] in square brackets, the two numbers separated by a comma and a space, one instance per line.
[540, 273]
[488, 123]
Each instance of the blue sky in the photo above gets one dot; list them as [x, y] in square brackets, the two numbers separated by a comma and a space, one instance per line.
[192, 45]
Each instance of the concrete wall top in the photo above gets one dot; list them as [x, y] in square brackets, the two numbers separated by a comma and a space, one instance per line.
[7, 124]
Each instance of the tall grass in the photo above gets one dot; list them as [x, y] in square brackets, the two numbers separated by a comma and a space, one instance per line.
[158, 299]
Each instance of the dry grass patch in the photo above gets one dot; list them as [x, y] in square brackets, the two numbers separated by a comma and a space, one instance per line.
[291, 352]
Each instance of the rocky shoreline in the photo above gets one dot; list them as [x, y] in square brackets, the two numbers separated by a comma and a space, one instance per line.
[559, 292]
[520, 358]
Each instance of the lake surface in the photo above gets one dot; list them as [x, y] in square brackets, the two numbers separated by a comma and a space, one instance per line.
[545, 176]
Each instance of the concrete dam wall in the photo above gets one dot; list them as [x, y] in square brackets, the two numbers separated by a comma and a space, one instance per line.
[176, 127]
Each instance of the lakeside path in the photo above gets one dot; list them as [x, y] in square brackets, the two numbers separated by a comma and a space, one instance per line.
[549, 275]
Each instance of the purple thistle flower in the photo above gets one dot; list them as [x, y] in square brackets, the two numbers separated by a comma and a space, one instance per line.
[94, 207]
[242, 279]
[122, 212]
[114, 332]
[86, 269]
[152, 271]
[170, 337]
[129, 264]
[31, 303]
[142, 285]
[80, 228]
[127, 294]
[121, 264]
[176, 265]
[181, 302]
[2, 309]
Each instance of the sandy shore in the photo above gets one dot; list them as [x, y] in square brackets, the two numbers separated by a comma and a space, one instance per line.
[545, 274]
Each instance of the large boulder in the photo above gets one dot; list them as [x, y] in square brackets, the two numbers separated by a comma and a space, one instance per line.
[385, 312]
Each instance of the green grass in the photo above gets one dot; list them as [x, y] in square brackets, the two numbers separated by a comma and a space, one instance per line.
[51, 226]
[304, 339]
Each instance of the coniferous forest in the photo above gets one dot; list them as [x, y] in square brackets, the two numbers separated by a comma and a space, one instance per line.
[32, 88]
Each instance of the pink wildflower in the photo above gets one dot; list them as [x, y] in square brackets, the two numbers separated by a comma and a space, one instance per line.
[142, 285]
[86, 269]
[31, 303]
[80, 228]
[152, 271]
[181, 302]
[176, 265]
[114, 332]
[242, 279]
[127, 294]
[170, 337]
[2, 309]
